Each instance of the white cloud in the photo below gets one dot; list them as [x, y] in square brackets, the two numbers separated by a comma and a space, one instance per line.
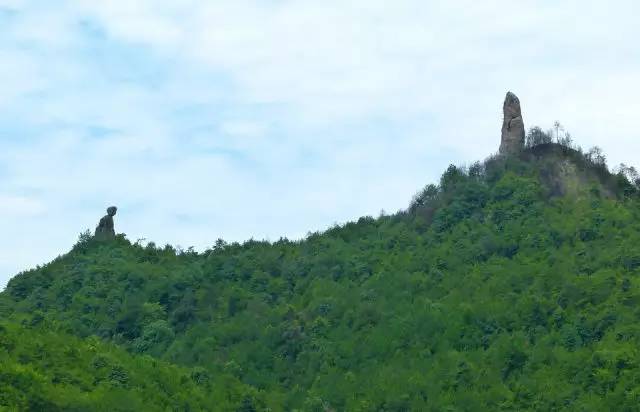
[243, 118]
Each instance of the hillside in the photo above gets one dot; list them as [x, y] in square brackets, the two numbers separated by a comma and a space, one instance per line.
[50, 371]
[510, 285]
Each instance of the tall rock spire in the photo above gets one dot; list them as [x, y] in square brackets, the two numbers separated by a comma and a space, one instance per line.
[512, 126]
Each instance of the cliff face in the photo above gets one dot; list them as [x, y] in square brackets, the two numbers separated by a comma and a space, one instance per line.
[512, 126]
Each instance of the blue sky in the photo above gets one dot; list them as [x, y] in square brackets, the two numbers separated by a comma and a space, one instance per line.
[240, 119]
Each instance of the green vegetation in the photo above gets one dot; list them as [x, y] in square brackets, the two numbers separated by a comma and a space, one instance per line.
[511, 285]
[48, 371]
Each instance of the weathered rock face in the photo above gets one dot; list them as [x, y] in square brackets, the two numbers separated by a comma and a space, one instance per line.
[105, 230]
[512, 126]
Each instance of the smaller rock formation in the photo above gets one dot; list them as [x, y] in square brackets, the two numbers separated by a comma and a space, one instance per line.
[105, 230]
[512, 126]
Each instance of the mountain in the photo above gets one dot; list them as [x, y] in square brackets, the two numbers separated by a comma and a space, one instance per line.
[513, 284]
[45, 370]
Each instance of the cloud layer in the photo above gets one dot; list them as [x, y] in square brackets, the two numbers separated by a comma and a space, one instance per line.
[241, 119]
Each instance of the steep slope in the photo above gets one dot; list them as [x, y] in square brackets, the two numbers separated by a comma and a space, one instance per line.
[510, 285]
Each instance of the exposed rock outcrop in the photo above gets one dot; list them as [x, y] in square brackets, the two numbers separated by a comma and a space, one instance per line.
[512, 126]
[105, 229]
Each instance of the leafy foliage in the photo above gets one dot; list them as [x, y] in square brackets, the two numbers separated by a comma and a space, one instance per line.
[511, 285]
[43, 370]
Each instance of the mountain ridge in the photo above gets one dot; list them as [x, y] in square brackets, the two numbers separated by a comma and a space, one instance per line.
[506, 274]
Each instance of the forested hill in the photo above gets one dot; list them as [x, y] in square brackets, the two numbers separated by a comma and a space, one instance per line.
[511, 285]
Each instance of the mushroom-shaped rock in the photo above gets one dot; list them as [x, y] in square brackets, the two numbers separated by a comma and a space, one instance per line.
[105, 230]
[512, 126]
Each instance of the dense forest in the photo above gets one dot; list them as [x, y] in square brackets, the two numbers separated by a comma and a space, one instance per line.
[512, 284]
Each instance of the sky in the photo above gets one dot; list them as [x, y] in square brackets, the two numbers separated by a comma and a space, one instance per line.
[241, 119]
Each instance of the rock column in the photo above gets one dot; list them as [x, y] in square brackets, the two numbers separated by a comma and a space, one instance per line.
[512, 126]
[105, 229]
